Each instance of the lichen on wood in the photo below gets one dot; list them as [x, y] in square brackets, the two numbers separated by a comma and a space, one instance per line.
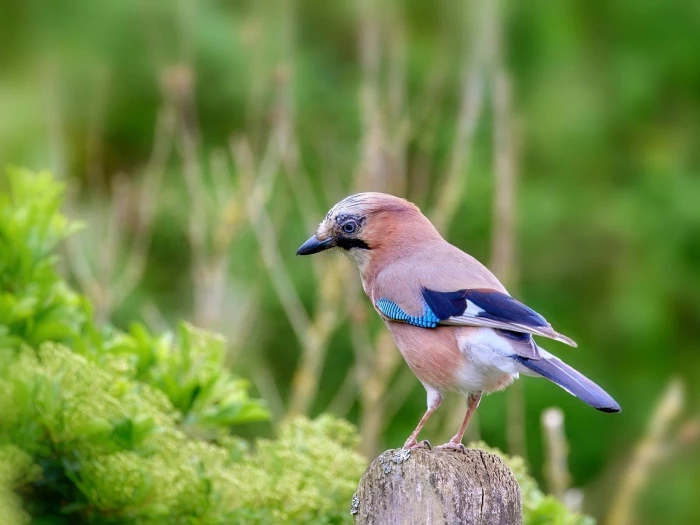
[433, 486]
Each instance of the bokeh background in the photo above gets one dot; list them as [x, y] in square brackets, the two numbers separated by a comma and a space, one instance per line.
[558, 142]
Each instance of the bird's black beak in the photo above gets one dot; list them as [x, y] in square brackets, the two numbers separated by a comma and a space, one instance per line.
[313, 245]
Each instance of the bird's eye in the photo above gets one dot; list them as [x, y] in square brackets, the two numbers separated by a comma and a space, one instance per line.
[349, 227]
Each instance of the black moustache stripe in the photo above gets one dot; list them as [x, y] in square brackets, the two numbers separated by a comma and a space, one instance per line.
[348, 243]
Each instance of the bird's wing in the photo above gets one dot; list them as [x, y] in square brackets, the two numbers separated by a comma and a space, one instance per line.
[475, 307]
[489, 308]
[448, 287]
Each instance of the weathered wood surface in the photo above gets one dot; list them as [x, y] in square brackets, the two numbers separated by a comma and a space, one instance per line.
[414, 487]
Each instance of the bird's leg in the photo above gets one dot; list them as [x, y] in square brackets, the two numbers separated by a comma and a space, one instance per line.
[434, 400]
[456, 442]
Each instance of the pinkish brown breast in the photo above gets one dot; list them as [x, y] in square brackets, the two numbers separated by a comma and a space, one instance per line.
[433, 355]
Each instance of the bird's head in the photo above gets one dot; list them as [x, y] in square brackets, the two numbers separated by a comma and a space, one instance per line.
[369, 223]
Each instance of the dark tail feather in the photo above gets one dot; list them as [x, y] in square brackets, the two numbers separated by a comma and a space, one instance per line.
[572, 381]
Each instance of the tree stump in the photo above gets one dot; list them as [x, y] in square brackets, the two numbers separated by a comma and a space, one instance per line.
[411, 487]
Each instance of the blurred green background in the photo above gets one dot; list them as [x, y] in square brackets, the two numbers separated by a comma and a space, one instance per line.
[555, 141]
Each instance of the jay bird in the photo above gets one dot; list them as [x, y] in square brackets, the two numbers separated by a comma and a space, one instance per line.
[454, 323]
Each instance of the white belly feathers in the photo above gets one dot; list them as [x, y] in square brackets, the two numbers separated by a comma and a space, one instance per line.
[488, 367]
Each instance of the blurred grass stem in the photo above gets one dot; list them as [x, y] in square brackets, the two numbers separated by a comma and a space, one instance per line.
[557, 450]
[646, 455]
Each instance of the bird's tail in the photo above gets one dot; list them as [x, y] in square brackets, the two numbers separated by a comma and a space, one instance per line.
[570, 380]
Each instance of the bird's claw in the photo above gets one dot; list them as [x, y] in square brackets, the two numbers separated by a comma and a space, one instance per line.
[425, 444]
[452, 446]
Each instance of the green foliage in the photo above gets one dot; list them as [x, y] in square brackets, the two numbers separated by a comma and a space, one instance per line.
[105, 426]
[16, 470]
[538, 507]
[117, 441]
[35, 305]
[307, 475]
[188, 370]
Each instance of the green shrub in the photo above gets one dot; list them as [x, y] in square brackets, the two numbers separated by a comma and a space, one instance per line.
[100, 425]
[16, 469]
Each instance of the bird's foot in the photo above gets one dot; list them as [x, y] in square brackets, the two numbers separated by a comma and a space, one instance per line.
[412, 444]
[452, 446]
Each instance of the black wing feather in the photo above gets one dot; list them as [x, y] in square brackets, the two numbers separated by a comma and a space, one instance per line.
[446, 304]
[502, 307]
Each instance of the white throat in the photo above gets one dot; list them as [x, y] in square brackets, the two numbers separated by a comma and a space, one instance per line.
[360, 257]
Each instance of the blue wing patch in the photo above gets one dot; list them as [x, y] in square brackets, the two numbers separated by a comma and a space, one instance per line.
[391, 310]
